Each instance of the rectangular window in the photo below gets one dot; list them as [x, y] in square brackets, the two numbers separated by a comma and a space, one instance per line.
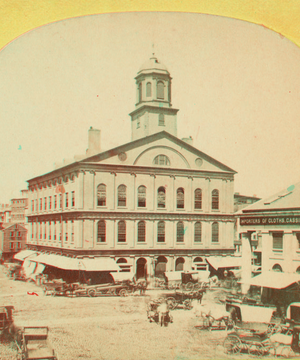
[45, 203]
[50, 202]
[55, 201]
[73, 198]
[277, 241]
[36, 205]
[32, 205]
[72, 231]
[54, 230]
[66, 232]
[49, 225]
[298, 239]
[60, 201]
[31, 226]
[67, 200]
[11, 233]
[41, 231]
[11, 245]
[45, 231]
[41, 204]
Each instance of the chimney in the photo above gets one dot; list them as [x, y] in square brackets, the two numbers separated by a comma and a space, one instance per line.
[188, 140]
[94, 142]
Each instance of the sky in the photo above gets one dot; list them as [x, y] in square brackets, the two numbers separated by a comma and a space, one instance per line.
[236, 85]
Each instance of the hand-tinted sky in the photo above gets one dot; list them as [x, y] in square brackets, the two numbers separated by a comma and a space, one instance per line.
[236, 86]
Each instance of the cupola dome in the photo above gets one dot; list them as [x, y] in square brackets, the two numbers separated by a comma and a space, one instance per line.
[153, 64]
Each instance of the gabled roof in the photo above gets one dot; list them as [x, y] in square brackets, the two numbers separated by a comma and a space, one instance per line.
[149, 139]
[286, 199]
[7, 226]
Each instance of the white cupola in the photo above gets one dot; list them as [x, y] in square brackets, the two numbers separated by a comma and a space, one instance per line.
[153, 110]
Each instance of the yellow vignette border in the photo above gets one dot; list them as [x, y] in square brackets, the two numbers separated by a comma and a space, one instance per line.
[20, 16]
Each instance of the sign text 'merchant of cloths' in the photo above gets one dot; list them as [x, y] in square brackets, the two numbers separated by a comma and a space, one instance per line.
[270, 220]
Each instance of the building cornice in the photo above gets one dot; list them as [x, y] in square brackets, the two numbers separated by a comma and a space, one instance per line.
[117, 215]
[132, 252]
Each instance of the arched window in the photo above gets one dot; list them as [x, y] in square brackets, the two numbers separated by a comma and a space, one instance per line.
[160, 90]
[161, 231]
[121, 195]
[121, 231]
[161, 160]
[215, 232]
[101, 232]
[142, 196]
[179, 265]
[101, 195]
[180, 232]
[198, 199]
[198, 232]
[161, 266]
[161, 197]
[141, 231]
[125, 267]
[140, 92]
[277, 268]
[298, 270]
[148, 89]
[180, 198]
[161, 120]
[215, 199]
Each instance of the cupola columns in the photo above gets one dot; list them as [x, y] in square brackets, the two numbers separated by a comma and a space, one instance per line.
[153, 109]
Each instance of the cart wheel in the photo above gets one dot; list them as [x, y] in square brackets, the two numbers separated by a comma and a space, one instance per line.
[188, 304]
[232, 344]
[256, 349]
[123, 292]
[197, 286]
[111, 292]
[189, 286]
[171, 302]
[91, 292]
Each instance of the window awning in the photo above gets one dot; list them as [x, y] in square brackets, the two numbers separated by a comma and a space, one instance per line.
[24, 254]
[99, 264]
[274, 280]
[219, 262]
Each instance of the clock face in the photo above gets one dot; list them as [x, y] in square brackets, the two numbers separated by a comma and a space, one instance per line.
[122, 156]
[198, 162]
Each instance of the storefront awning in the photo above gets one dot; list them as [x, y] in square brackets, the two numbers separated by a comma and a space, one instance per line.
[61, 262]
[274, 280]
[173, 275]
[122, 276]
[85, 264]
[99, 264]
[223, 262]
[24, 254]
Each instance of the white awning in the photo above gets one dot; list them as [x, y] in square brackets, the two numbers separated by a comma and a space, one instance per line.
[122, 276]
[85, 264]
[99, 264]
[173, 275]
[274, 280]
[61, 262]
[219, 262]
[24, 254]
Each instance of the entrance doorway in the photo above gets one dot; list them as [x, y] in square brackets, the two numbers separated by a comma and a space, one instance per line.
[141, 271]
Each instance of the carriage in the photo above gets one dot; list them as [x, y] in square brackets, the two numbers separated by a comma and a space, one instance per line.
[187, 280]
[35, 344]
[183, 298]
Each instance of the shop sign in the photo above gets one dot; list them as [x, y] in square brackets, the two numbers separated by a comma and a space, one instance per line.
[270, 220]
